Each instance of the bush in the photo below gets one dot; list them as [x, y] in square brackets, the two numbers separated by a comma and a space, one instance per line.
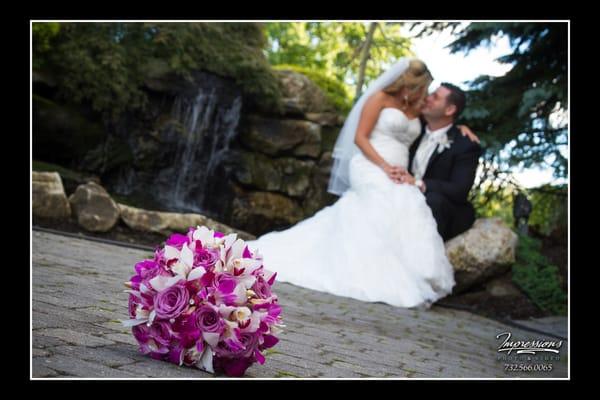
[106, 64]
[334, 90]
[539, 279]
[550, 208]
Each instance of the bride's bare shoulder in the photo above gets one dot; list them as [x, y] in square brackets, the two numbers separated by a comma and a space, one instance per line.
[381, 96]
[378, 98]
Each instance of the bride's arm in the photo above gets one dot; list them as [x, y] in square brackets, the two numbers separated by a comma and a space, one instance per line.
[368, 118]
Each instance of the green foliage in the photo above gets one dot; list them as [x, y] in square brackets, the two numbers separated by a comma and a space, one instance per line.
[42, 34]
[335, 91]
[90, 62]
[492, 202]
[526, 107]
[550, 208]
[333, 48]
[539, 279]
[107, 63]
[549, 205]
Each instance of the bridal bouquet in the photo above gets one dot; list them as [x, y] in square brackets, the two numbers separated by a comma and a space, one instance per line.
[204, 300]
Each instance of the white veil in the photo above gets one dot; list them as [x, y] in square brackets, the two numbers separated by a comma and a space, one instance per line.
[345, 147]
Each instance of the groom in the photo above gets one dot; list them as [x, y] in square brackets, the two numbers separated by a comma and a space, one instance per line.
[443, 162]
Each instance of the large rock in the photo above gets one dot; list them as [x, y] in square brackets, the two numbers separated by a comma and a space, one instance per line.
[48, 196]
[167, 223]
[483, 252]
[329, 135]
[287, 175]
[281, 137]
[257, 170]
[262, 212]
[301, 95]
[93, 207]
[325, 119]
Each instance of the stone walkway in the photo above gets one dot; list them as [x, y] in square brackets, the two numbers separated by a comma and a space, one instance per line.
[78, 301]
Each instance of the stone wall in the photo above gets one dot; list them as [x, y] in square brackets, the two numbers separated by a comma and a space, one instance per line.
[283, 160]
[253, 169]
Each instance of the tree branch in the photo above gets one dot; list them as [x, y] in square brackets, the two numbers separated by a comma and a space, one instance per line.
[364, 58]
[357, 51]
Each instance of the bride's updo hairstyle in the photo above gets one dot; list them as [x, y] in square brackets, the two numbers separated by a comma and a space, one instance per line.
[416, 78]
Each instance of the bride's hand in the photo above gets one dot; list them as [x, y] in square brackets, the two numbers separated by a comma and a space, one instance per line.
[394, 172]
[468, 132]
[407, 178]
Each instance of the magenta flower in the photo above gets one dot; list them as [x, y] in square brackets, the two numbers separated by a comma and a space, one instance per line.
[234, 367]
[207, 279]
[187, 331]
[205, 300]
[206, 258]
[268, 342]
[144, 267]
[262, 288]
[153, 340]
[248, 342]
[234, 360]
[176, 354]
[145, 270]
[159, 254]
[208, 319]
[132, 305]
[161, 332]
[172, 301]
[177, 240]
[271, 317]
[228, 291]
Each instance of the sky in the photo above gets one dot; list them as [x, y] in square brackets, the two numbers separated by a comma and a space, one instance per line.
[460, 67]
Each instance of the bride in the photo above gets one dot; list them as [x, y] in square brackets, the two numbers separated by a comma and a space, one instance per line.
[379, 241]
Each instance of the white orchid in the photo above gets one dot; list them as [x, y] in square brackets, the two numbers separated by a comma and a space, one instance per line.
[161, 282]
[206, 361]
[184, 257]
[207, 237]
[443, 144]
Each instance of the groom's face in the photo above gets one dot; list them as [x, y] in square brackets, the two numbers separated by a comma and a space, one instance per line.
[436, 105]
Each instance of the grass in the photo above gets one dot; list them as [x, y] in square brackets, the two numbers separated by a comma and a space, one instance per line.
[538, 278]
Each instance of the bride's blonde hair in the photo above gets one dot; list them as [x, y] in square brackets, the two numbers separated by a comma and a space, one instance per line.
[416, 77]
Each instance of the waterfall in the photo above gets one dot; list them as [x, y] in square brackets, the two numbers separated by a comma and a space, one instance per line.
[205, 127]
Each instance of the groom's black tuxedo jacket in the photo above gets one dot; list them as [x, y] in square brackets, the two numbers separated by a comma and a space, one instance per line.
[449, 177]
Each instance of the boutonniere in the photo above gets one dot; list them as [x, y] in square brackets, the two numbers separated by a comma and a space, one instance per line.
[444, 144]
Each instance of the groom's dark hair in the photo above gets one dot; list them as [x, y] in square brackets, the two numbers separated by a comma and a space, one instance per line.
[457, 97]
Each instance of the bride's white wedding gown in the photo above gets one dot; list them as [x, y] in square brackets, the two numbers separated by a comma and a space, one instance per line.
[377, 242]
